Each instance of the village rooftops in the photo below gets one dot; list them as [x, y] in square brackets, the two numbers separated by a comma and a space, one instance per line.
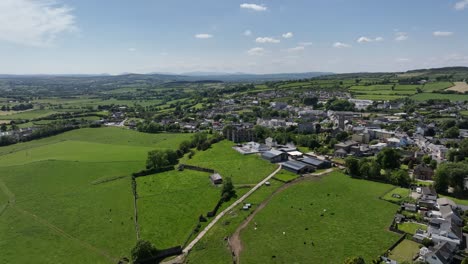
[316, 162]
[445, 201]
[272, 153]
[428, 191]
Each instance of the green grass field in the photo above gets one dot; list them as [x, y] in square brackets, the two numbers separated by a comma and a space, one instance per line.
[354, 224]
[286, 176]
[243, 169]
[402, 192]
[405, 251]
[28, 114]
[451, 97]
[411, 228]
[213, 249]
[106, 135]
[170, 203]
[56, 211]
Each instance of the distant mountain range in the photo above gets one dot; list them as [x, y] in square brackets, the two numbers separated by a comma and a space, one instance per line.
[200, 76]
[189, 76]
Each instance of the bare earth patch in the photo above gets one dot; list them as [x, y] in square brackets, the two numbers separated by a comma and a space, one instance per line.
[460, 87]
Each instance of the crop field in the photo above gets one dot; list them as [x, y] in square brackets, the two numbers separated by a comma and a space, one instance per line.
[460, 87]
[170, 203]
[60, 207]
[309, 220]
[243, 169]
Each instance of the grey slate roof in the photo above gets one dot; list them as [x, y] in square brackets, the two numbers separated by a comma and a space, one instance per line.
[295, 165]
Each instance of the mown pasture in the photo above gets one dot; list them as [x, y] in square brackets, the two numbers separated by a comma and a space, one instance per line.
[60, 208]
[170, 203]
[243, 169]
[309, 220]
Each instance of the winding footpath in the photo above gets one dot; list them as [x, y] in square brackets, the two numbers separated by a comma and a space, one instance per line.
[189, 247]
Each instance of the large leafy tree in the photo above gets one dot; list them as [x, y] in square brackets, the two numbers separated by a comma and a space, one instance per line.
[389, 158]
[143, 252]
[228, 190]
[352, 166]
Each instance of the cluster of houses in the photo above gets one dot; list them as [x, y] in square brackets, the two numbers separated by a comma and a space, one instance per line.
[288, 155]
[444, 225]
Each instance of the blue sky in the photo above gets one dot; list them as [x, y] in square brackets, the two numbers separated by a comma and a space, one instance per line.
[270, 36]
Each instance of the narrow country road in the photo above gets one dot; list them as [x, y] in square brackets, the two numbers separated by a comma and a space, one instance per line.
[187, 249]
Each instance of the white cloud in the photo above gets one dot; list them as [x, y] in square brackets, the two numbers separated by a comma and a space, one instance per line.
[203, 36]
[402, 60]
[132, 49]
[364, 40]
[305, 44]
[341, 45]
[253, 7]
[461, 5]
[288, 35]
[442, 33]
[34, 22]
[401, 36]
[247, 33]
[266, 40]
[378, 39]
[367, 40]
[296, 49]
[256, 51]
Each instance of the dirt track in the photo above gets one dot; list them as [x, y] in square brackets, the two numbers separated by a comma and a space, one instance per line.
[235, 242]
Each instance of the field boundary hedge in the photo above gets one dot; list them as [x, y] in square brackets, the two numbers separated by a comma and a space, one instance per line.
[195, 168]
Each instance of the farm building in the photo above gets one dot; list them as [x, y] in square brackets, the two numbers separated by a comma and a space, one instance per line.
[297, 167]
[216, 178]
[295, 154]
[317, 163]
[275, 156]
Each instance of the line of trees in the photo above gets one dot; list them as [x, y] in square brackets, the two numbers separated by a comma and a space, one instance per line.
[161, 160]
[387, 160]
[19, 107]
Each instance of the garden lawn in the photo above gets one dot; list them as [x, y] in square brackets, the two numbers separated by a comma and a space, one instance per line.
[402, 192]
[170, 203]
[243, 169]
[411, 228]
[290, 229]
[405, 251]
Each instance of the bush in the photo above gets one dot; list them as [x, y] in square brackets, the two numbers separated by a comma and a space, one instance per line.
[427, 242]
[143, 251]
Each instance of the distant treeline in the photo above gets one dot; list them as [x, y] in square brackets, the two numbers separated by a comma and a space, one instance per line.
[20, 107]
